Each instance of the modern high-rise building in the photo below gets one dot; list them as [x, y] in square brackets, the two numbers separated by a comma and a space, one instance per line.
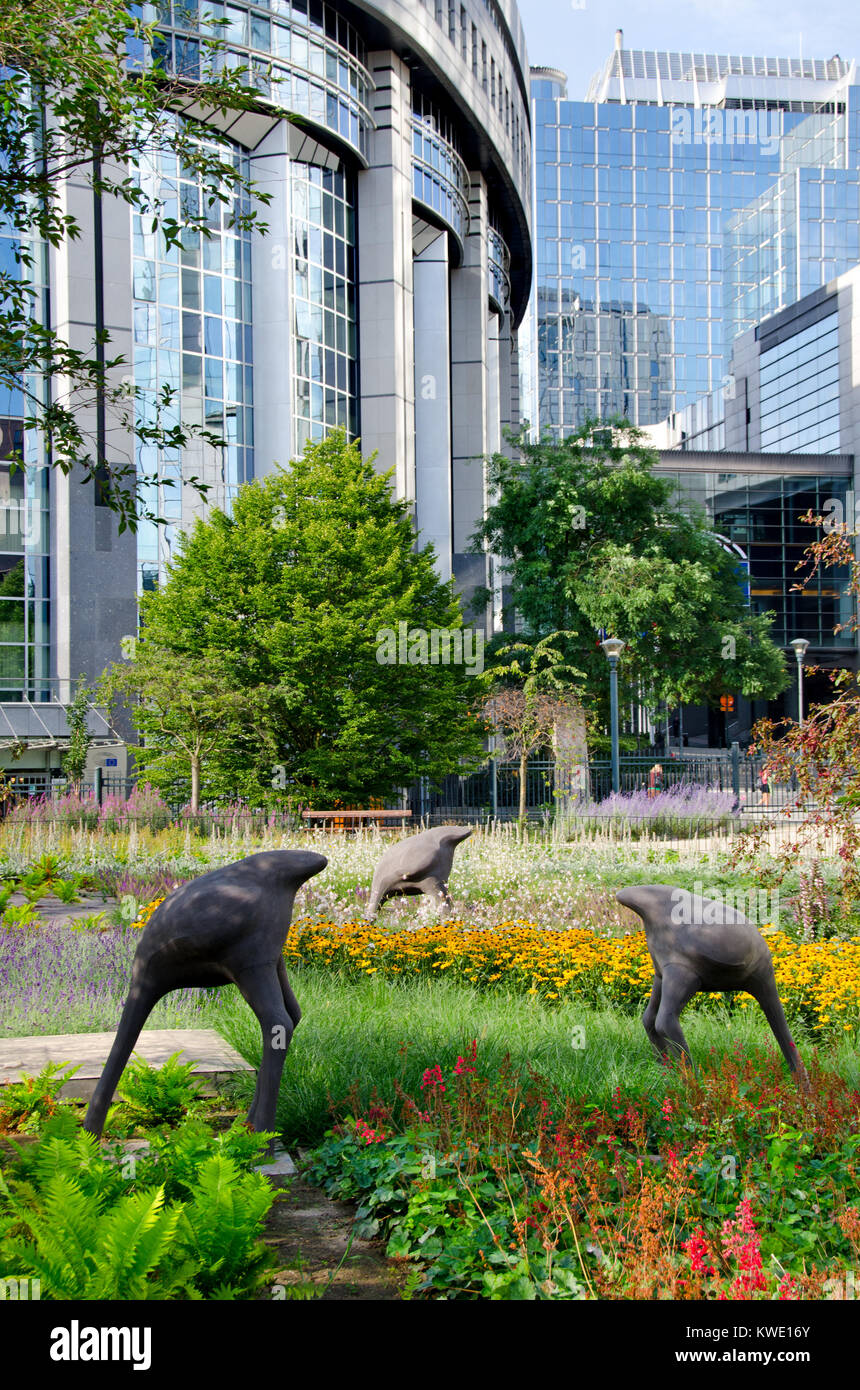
[688, 196]
[779, 441]
[386, 297]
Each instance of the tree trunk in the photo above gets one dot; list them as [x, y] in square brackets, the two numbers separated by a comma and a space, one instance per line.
[524, 760]
[195, 784]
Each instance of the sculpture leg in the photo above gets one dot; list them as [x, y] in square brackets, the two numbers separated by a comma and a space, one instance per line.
[138, 1006]
[290, 1000]
[679, 986]
[445, 898]
[649, 1017]
[261, 988]
[764, 991]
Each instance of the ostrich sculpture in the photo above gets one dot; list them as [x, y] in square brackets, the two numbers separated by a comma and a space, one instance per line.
[691, 951]
[419, 864]
[226, 927]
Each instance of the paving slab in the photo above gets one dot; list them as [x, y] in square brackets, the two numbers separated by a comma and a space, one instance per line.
[215, 1061]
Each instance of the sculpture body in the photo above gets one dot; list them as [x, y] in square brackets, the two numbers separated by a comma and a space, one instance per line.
[420, 864]
[226, 927]
[698, 944]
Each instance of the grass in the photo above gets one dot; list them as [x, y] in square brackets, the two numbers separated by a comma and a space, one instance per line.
[375, 1033]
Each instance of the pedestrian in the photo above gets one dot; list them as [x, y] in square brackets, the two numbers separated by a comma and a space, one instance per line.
[655, 779]
[764, 782]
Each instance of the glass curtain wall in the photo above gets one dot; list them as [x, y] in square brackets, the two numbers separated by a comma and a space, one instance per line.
[192, 334]
[324, 301]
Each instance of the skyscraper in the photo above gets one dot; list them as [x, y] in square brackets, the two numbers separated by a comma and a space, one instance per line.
[686, 197]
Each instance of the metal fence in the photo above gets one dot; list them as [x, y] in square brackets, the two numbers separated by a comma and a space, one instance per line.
[494, 792]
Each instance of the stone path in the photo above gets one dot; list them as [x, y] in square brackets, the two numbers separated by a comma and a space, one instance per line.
[214, 1059]
[311, 1236]
[56, 914]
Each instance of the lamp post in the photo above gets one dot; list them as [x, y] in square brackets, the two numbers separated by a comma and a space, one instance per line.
[800, 646]
[613, 647]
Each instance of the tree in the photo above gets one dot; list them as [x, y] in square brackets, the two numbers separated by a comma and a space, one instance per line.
[314, 606]
[86, 93]
[75, 757]
[592, 539]
[821, 758]
[181, 708]
[528, 699]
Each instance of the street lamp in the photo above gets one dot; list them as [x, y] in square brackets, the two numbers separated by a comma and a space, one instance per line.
[613, 647]
[800, 645]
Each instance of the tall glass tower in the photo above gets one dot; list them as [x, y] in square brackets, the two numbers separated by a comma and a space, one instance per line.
[685, 198]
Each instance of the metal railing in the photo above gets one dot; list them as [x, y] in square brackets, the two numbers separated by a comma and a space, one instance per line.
[493, 793]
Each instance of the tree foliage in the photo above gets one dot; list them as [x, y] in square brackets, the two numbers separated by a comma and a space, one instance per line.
[821, 758]
[84, 95]
[75, 756]
[593, 539]
[286, 603]
[529, 694]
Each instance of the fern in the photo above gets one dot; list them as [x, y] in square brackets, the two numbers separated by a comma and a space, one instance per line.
[26, 1104]
[67, 1217]
[221, 1224]
[156, 1095]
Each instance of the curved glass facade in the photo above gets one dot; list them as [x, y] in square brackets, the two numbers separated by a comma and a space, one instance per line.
[302, 55]
[192, 333]
[25, 537]
[499, 263]
[325, 336]
[440, 179]
[25, 653]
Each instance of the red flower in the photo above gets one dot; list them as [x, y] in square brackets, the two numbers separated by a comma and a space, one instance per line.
[432, 1079]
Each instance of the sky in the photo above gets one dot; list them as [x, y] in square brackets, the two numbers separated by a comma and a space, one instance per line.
[578, 35]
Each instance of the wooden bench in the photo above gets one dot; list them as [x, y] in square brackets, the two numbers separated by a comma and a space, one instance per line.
[342, 819]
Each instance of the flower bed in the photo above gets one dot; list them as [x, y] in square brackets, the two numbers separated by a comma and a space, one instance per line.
[735, 1186]
[819, 981]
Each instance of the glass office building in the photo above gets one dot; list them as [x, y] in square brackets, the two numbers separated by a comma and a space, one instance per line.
[688, 195]
[393, 144]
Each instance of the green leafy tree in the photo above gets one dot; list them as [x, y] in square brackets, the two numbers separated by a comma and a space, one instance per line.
[529, 694]
[181, 708]
[75, 757]
[820, 758]
[593, 539]
[84, 94]
[315, 608]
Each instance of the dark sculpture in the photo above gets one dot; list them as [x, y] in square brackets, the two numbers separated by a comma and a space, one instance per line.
[691, 951]
[226, 927]
[420, 864]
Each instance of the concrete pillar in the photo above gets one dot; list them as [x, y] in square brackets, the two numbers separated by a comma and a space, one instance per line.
[385, 278]
[469, 395]
[433, 499]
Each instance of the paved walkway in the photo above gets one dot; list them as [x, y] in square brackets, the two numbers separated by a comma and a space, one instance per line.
[317, 1251]
[214, 1059]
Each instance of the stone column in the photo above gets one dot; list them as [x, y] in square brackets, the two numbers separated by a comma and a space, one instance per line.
[469, 396]
[433, 501]
[385, 278]
[93, 566]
